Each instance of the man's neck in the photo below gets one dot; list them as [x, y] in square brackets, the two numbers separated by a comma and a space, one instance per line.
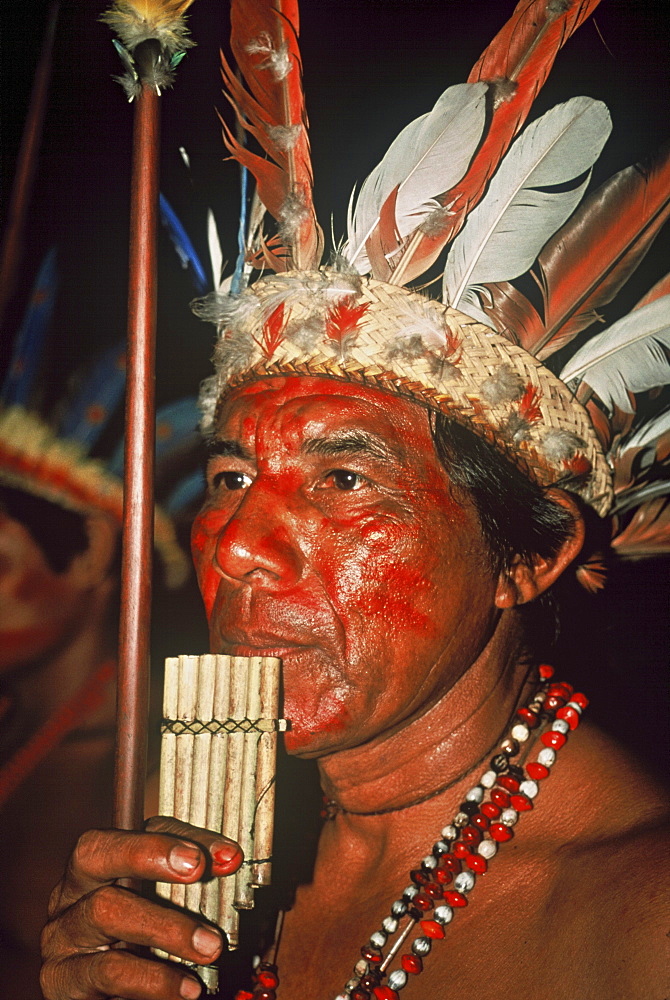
[441, 746]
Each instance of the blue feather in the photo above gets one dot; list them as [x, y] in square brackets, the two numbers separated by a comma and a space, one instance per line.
[27, 353]
[183, 246]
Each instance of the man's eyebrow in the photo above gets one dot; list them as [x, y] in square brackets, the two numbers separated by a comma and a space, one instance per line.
[226, 449]
[350, 443]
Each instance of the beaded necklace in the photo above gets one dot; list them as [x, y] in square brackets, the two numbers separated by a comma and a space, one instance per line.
[444, 878]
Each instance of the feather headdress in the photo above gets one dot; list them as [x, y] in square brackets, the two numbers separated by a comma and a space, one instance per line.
[467, 183]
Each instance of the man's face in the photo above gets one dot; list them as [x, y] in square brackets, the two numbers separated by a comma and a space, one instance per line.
[38, 607]
[330, 538]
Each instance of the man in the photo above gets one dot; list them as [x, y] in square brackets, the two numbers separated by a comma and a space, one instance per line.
[386, 554]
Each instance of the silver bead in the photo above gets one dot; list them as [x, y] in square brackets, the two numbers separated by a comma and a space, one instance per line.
[443, 914]
[577, 708]
[421, 945]
[560, 726]
[397, 979]
[520, 732]
[352, 984]
[390, 925]
[410, 892]
[378, 939]
[461, 819]
[464, 881]
[487, 848]
[546, 756]
[529, 788]
[509, 817]
[449, 832]
[475, 794]
[399, 908]
[488, 779]
[429, 862]
[441, 847]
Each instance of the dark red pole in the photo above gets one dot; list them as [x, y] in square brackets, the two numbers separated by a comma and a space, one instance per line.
[26, 164]
[133, 681]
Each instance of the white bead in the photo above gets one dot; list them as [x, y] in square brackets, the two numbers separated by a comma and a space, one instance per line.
[461, 819]
[443, 914]
[560, 726]
[410, 892]
[378, 939]
[341, 996]
[520, 732]
[464, 881]
[546, 756]
[449, 832]
[509, 817]
[577, 708]
[475, 794]
[429, 862]
[361, 967]
[488, 779]
[397, 979]
[351, 985]
[487, 848]
[390, 925]
[529, 788]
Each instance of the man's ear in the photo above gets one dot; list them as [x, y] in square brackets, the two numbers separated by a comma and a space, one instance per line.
[524, 581]
[92, 567]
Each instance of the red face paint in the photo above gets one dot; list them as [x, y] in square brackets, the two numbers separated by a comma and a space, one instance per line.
[335, 542]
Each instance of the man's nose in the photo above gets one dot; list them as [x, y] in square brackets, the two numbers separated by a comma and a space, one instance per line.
[258, 546]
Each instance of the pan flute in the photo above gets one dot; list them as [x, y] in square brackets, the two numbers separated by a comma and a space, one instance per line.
[217, 771]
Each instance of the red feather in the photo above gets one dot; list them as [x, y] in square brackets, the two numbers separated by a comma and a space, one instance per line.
[661, 288]
[273, 332]
[647, 533]
[510, 312]
[586, 263]
[516, 64]
[529, 404]
[264, 41]
[342, 322]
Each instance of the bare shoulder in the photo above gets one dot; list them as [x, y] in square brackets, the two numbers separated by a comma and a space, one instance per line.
[612, 893]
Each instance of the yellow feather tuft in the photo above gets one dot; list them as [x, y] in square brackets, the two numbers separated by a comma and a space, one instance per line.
[136, 21]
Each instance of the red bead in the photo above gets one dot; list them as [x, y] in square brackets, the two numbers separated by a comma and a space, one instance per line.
[455, 898]
[476, 863]
[490, 809]
[530, 718]
[508, 782]
[267, 979]
[500, 832]
[422, 901]
[470, 835]
[562, 689]
[433, 890]
[412, 964]
[569, 715]
[580, 699]
[450, 863]
[461, 850]
[244, 995]
[431, 928]
[500, 798]
[374, 954]
[480, 821]
[360, 994]
[419, 877]
[552, 702]
[521, 803]
[537, 771]
[554, 740]
[545, 671]
[443, 876]
[265, 995]
[384, 993]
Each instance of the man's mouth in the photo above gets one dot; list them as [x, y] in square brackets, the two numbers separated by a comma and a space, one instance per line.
[258, 644]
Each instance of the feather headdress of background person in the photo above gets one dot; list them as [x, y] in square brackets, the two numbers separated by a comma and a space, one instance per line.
[468, 196]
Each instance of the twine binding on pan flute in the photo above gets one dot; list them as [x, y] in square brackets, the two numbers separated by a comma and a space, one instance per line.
[218, 757]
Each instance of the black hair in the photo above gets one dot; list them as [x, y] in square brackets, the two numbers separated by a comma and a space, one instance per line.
[516, 515]
[59, 533]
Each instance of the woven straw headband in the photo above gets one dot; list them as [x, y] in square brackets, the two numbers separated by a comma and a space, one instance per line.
[338, 325]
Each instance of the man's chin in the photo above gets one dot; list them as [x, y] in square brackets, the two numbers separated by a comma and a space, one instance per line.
[315, 730]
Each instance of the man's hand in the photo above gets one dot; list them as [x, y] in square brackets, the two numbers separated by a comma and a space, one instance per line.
[88, 913]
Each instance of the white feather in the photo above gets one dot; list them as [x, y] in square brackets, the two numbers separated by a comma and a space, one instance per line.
[648, 433]
[429, 157]
[629, 356]
[215, 252]
[516, 217]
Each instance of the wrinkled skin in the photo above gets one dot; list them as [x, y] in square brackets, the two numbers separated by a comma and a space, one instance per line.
[331, 537]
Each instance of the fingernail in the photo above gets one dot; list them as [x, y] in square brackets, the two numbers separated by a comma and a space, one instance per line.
[184, 858]
[190, 988]
[206, 941]
[225, 858]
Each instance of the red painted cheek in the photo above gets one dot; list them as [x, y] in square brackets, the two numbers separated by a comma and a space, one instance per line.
[302, 731]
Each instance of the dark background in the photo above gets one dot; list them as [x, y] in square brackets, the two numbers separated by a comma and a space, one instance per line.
[370, 66]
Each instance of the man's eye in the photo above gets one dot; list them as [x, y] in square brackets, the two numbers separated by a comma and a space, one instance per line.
[230, 480]
[343, 479]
